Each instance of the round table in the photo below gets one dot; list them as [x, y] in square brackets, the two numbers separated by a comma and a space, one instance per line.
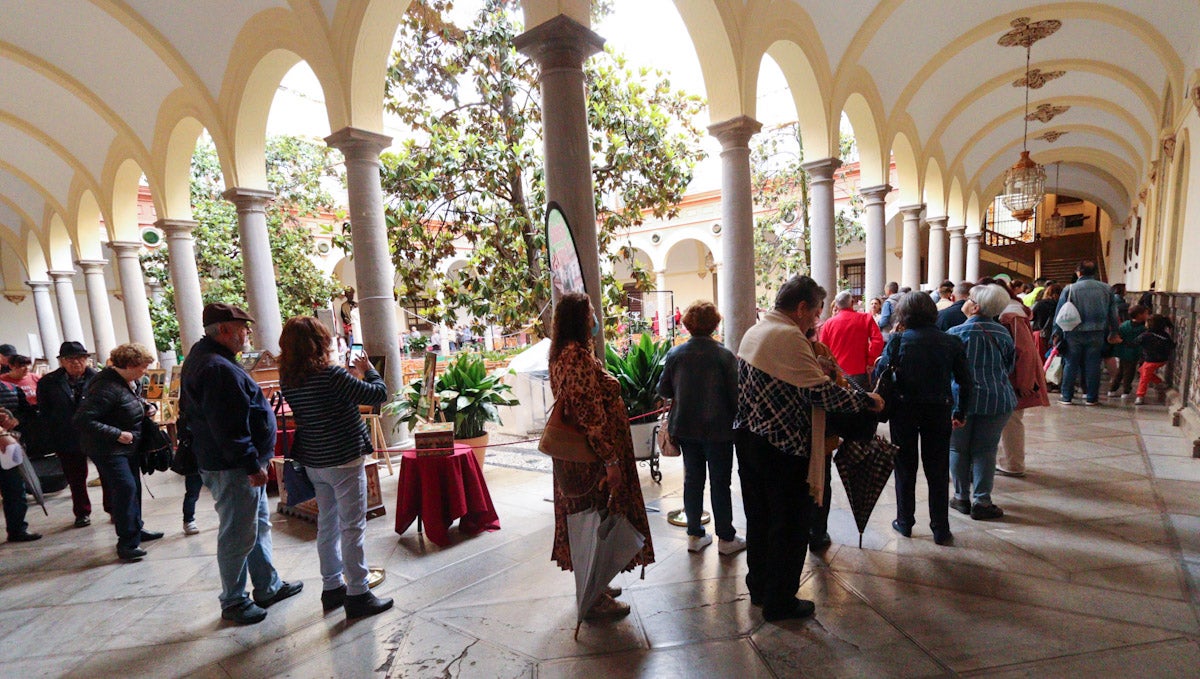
[437, 489]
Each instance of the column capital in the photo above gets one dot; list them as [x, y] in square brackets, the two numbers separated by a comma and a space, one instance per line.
[957, 231]
[38, 285]
[937, 223]
[912, 211]
[821, 170]
[974, 237]
[735, 132]
[91, 265]
[176, 228]
[875, 194]
[560, 42]
[127, 248]
[249, 200]
[357, 144]
[61, 274]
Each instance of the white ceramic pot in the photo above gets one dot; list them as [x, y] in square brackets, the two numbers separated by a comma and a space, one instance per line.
[643, 439]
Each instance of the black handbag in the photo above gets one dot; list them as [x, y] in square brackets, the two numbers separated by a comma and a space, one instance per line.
[154, 448]
[886, 385]
[184, 461]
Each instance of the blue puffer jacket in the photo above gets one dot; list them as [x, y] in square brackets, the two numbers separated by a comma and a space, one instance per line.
[232, 425]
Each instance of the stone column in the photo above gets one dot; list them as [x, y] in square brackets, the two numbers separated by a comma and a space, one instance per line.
[189, 304]
[262, 295]
[957, 254]
[43, 308]
[68, 306]
[98, 309]
[875, 240]
[823, 239]
[373, 269]
[972, 268]
[736, 284]
[133, 292]
[910, 269]
[937, 250]
[560, 46]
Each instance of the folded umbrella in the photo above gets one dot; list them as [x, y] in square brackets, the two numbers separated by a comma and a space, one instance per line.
[32, 483]
[865, 467]
[602, 545]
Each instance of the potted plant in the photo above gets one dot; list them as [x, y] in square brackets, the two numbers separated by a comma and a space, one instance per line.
[638, 372]
[467, 395]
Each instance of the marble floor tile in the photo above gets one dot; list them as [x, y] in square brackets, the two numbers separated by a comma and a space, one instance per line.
[422, 649]
[1162, 579]
[198, 658]
[1159, 427]
[724, 659]
[1175, 468]
[1174, 658]
[1180, 497]
[682, 613]
[1167, 445]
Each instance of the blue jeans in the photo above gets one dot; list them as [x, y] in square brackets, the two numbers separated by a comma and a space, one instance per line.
[715, 457]
[123, 480]
[973, 456]
[243, 537]
[12, 487]
[1083, 354]
[341, 522]
[192, 483]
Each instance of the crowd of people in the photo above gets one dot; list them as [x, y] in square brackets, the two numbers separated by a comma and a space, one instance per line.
[965, 360]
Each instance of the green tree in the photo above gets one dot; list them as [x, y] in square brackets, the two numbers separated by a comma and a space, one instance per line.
[471, 176]
[782, 246]
[297, 171]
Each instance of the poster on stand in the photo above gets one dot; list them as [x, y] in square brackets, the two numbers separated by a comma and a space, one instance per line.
[566, 275]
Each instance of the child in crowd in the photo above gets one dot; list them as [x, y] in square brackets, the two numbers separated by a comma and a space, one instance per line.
[1128, 353]
[1157, 346]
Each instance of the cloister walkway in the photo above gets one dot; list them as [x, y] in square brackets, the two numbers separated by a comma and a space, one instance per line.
[1087, 575]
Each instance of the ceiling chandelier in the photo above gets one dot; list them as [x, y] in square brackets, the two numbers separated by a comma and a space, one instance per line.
[1055, 222]
[1025, 181]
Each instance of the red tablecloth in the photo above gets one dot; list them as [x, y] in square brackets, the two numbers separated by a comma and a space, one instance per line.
[442, 488]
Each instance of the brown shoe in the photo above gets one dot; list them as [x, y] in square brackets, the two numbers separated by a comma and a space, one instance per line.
[607, 608]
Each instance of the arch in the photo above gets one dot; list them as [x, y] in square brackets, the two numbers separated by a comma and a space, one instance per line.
[691, 267]
[269, 45]
[708, 28]
[934, 195]
[623, 267]
[362, 46]
[125, 184]
[907, 173]
[175, 172]
[85, 229]
[809, 98]
[58, 241]
[955, 205]
[974, 217]
[873, 162]
[37, 259]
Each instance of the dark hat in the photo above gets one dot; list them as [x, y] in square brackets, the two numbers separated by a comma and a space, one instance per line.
[69, 349]
[7, 350]
[222, 313]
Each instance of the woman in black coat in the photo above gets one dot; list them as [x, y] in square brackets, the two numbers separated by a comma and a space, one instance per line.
[109, 420]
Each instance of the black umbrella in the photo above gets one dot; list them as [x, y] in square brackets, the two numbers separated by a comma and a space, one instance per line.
[865, 467]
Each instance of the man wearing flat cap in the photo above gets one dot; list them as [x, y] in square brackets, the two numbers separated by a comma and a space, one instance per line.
[233, 434]
[58, 397]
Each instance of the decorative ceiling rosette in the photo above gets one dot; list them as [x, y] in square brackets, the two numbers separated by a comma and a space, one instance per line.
[1024, 33]
[1046, 112]
[1037, 78]
[1051, 136]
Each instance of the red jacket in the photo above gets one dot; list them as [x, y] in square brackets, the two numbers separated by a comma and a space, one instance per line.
[854, 339]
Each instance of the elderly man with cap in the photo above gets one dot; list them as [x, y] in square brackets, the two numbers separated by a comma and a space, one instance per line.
[233, 434]
[58, 396]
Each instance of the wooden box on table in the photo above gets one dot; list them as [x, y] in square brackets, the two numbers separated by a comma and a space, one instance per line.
[307, 510]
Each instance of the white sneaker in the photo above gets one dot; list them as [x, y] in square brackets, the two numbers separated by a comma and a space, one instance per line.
[737, 544]
[190, 528]
[1139, 401]
[696, 544]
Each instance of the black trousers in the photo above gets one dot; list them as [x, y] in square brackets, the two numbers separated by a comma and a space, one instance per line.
[775, 497]
[818, 518]
[12, 488]
[930, 427]
[123, 479]
[1127, 372]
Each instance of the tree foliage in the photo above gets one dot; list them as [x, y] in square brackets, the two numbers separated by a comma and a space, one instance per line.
[782, 243]
[470, 184]
[297, 171]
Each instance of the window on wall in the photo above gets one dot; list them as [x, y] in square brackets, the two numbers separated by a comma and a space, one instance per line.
[417, 311]
[854, 273]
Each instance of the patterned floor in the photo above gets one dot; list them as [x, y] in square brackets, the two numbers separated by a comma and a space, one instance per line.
[1093, 571]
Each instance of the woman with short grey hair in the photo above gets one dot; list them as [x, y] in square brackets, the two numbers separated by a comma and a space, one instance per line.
[991, 355]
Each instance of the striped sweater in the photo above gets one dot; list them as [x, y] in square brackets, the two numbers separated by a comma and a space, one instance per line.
[329, 430]
[991, 356]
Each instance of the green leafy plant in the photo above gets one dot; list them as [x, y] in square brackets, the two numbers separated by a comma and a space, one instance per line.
[417, 344]
[638, 371]
[467, 395]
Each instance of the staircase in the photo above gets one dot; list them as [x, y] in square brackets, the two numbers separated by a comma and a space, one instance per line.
[1058, 256]
[1061, 255]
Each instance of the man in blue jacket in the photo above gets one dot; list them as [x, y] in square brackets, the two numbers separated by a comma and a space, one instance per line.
[1098, 323]
[233, 435]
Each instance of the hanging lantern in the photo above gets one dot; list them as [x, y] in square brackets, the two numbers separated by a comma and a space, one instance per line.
[1024, 186]
[1055, 223]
